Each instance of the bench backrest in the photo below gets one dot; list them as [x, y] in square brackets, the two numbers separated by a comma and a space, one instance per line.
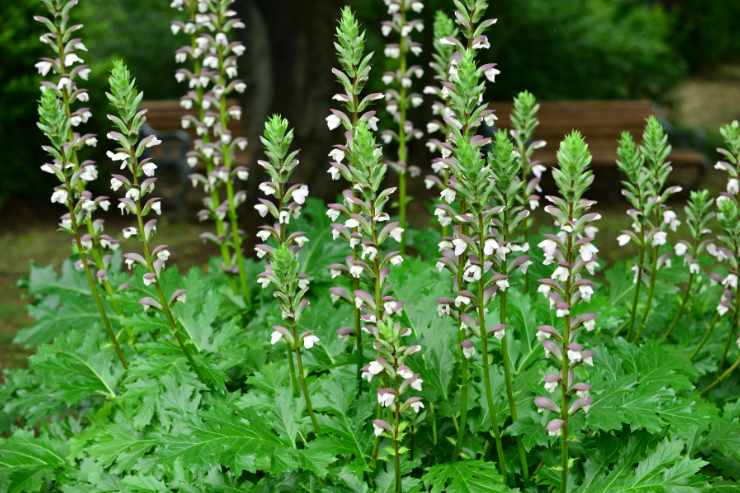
[601, 123]
[166, 116]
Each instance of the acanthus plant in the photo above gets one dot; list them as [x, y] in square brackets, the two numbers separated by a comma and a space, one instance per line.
[400, 98]
[58, 120]
[284, 269]
[572, 250]
[352, 75]
[212, 81]
[647, 169]
[470, 251]
[698, 218]
[727, 247]
[138, 201]
[366, 223]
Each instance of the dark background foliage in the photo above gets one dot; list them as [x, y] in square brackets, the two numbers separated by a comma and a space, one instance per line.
[574, 49]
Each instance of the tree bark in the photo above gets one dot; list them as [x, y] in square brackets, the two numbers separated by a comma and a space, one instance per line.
[289, 59]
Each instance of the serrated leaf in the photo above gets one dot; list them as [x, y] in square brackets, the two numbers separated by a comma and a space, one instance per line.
[470, 476]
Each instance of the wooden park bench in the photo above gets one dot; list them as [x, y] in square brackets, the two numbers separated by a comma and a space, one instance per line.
[601, 123]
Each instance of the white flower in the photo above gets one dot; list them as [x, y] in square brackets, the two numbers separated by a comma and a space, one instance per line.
[261, 209]
[491, 74]
[733, 187]
[392, 51]
[89, 173]
[300, 194]
[396, 260]
[462, 300]
[468, 351]
[561, 273]
[730, 281]
[588, 251]
[352, 223]
[490, 246]
[333, 121]
[59, 196]
[385, 398]
[574, 355]
[670, 218]
[157, 208]
[275, 337]
[333, 214]
[544, 289]
[548, 247]
[417, 406]
[43, 68]
[680, 249]
[586, 292]
[374, 368]
[397, 233]
[355, 271]
[337, 155]
[149, 168]
[129, 232]
[551, 386]
[267, 188]
[416, 384]
[460, 246]
[448, 195]
[623, 239]
[310, 341]
[561, 312]
[503, 284]
[377, 430]
[694, 268]
[659, 238]
[472, 273]
[71, 59]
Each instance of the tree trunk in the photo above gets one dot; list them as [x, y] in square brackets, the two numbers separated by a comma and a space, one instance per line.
[288, 67]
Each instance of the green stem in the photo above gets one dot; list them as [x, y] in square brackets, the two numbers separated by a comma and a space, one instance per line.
[236, 239]
[722, 377]
[509, 378]
[707, 334]
[638, 287]
[464, 371]
[565, 373]
[733, 330]
[304, 388]
[651, 294]
[487, 383]
[396, 448]
[681, 308]
[291, 372]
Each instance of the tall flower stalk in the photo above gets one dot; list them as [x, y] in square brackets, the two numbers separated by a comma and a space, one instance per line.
[698, 216]
[213, 80]
[367, 227]
[571, 248]
[658, 216]
[284, 269]
[469, 253]
[59, 121]
[352, 75]
[138, 201]
[400, 97]
[201, 118]
[636, 189]
[444, 51]
[511, 246]
[727, 247]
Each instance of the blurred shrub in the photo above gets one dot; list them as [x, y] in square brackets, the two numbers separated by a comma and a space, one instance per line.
[707, 32]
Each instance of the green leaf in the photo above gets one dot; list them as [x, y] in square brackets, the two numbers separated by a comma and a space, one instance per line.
[29, 462]
[470, 476]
